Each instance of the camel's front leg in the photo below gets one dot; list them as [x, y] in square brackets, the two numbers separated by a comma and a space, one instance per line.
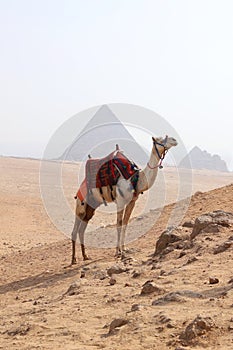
[119, 227]
[127, 214]
[74, 238]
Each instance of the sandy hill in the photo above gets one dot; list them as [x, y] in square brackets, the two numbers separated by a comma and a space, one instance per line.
[179, 298]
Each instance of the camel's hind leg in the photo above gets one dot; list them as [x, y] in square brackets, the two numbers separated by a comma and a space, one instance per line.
[82, 227]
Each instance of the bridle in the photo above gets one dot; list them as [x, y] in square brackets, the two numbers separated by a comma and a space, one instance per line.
[161, 156]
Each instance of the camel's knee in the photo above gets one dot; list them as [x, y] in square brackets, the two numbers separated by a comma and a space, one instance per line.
[74, 236]
[119, 222]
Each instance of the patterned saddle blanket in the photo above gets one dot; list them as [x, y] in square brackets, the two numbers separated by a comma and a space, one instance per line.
[106, 171]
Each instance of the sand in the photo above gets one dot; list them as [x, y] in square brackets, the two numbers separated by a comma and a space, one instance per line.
[37, 312]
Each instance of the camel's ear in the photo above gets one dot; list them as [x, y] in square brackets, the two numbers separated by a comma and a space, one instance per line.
[153, 139]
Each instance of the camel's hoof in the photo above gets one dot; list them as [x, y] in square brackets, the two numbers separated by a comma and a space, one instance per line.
[86, 258]
[117, 254]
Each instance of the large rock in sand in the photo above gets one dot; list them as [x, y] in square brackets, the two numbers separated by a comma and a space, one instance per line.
[171, 235]
[210, 222]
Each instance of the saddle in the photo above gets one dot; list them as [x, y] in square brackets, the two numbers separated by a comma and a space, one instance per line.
[106, 172]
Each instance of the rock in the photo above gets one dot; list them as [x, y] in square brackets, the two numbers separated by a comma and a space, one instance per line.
[116, 323]
[209, 222]
[177, 296]
[223, 247]
[82, 274]
[112, 281]
[136, 307]
[188, 223]
[199, 326]
[127, 284]
[213, 280]
[150, 287]
[168, 298]
[74, 289]
[211, 228]
[191, 260]
[170, 235]
[100, 274]
[115, 269]
[181, 255]
[23, 329]
[136, 274]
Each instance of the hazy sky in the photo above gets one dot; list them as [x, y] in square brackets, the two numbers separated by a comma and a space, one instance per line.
[59, 57]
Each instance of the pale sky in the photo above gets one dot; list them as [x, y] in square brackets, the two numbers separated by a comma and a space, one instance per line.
[60, 57]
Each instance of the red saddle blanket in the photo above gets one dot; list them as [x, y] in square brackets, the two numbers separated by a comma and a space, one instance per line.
[106, 171]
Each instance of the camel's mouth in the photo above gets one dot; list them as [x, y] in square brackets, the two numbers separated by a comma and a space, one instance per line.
[170, 142]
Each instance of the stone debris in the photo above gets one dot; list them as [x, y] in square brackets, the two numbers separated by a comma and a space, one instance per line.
[136, 307]
[115, 269]
[168, 298]
[136, 273]
[82, 274]
[74, 289]
[223, 247]
[23, 329]
[213, 280]
[112, 281]
[117, 323]
[150, 287]
[178, 296]
[189, 223]
[198, 327]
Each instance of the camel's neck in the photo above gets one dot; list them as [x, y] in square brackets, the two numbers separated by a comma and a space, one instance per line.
[148, 175]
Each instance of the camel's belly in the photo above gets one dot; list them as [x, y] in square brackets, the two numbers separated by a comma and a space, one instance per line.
[106, 193]
[122, 193]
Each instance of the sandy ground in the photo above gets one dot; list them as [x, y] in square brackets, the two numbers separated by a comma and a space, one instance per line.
[38, 311]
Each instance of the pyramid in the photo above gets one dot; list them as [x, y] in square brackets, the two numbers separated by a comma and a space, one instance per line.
[99, 138]
[198, 159]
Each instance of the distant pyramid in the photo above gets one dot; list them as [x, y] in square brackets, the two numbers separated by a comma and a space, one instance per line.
[198, 159]
[100, 136]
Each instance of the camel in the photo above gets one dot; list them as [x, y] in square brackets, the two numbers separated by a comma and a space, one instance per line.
[122, 194]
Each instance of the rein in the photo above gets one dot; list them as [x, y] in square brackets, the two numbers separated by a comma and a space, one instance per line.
[161, 156]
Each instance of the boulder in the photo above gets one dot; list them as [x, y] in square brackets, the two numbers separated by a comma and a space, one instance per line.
[116, 323]
[150, 287]
[222, 247]
[210, 222]
[188, 223]
[198, 327]
[171, 235]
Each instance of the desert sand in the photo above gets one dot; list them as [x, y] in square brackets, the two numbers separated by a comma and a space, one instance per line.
[48, 304]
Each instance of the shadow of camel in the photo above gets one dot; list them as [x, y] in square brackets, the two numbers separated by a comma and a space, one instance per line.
[42, 280]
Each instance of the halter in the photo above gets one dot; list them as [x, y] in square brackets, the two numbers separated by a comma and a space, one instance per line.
[161, 156]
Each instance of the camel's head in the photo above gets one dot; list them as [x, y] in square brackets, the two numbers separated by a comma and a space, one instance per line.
[166, 142]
